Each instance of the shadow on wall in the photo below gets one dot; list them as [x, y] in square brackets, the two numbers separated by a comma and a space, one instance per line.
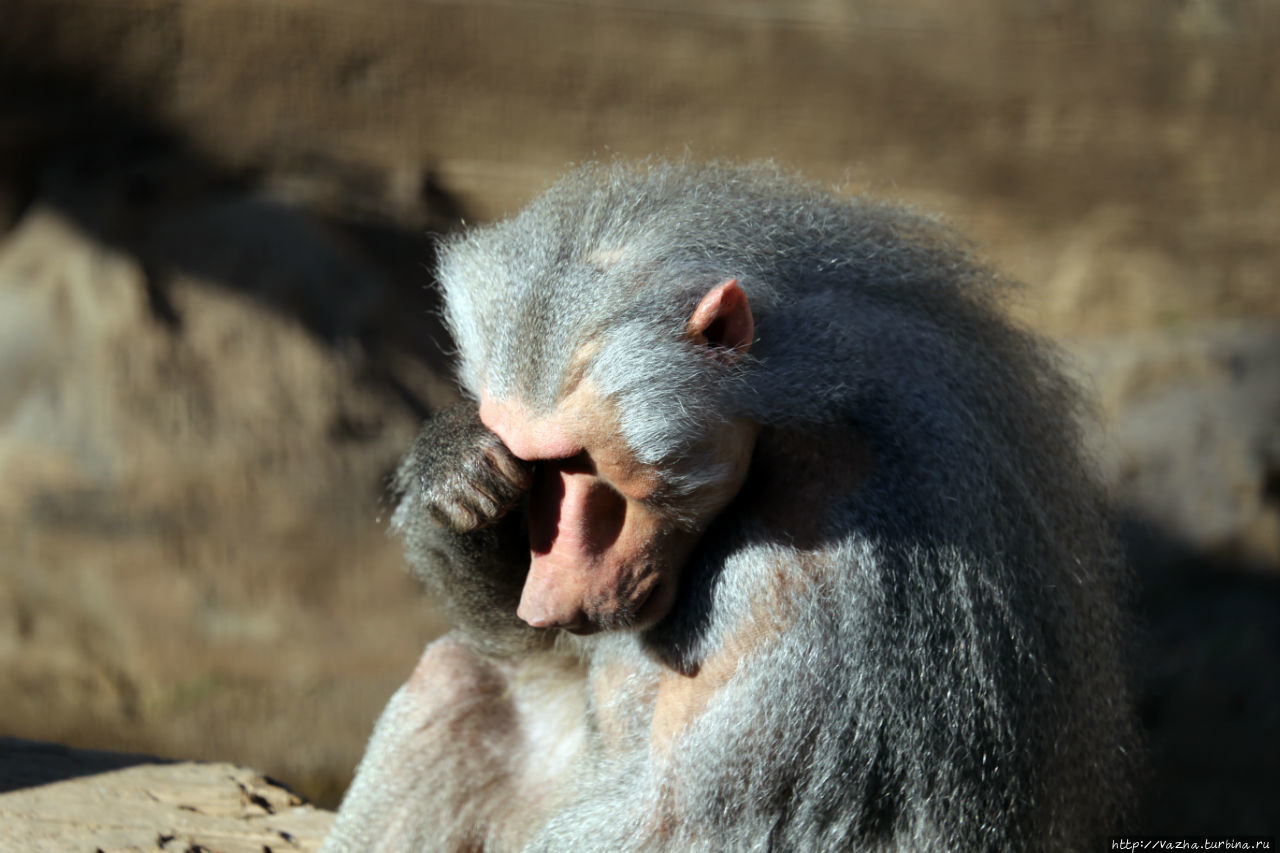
[334, 246]
[1209, 693]
[27, 764]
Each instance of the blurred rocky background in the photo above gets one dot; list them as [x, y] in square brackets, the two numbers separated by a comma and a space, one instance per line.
[217, 332]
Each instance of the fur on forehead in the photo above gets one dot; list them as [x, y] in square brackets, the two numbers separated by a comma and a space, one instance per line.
[604, 245]
[619, 255]
[609, 262]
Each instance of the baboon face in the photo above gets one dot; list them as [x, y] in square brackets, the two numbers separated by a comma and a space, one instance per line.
[607, 539]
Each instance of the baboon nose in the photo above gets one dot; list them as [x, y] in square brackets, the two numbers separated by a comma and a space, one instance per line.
[575, 623]
[546, 602]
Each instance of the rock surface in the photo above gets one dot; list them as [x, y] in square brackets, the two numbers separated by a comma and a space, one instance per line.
[57, 800]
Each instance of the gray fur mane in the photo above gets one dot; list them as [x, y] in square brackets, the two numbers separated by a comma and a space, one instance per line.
[616, 257]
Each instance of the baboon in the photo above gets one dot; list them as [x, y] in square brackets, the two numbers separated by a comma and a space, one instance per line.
[761, 529]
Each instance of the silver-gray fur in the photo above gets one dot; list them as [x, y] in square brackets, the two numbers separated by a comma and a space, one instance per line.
[950, 673]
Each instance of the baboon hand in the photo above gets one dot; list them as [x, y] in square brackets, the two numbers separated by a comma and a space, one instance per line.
[467, 477]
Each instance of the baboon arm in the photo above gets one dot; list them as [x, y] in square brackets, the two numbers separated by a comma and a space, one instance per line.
[452, 764]
[465, 536]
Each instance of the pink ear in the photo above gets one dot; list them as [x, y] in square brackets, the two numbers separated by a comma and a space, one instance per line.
[723, 319]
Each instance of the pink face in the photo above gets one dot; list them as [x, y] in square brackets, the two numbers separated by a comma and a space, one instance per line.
[601, 555]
